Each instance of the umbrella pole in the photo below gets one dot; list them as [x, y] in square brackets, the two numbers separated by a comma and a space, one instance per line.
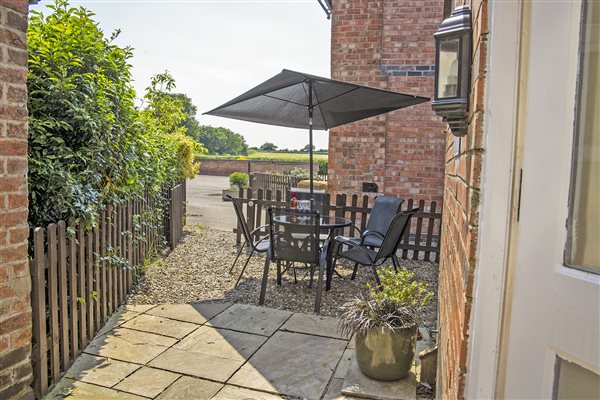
[310, 140]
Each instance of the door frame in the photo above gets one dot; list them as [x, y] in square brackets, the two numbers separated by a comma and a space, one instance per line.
[496, 216]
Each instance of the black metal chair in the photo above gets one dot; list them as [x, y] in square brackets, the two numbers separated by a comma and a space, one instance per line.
[364, 254]
[259, 246]
[295, 239]
[379, 221]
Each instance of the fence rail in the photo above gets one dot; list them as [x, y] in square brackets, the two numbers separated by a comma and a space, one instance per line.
[81, 276]
[421, 241]
[276, 182]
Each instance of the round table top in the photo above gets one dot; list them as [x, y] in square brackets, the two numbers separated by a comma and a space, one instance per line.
[325, 222]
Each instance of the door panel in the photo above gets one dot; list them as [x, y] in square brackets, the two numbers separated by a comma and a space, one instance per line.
[554, 309]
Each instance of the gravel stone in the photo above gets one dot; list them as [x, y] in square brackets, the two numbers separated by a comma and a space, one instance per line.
[198, 270]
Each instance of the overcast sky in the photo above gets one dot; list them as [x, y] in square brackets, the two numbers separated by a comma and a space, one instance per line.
[217, 50]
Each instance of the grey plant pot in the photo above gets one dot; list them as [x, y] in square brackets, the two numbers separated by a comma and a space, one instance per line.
[386, 356]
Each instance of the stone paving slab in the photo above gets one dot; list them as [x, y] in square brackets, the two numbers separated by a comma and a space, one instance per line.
[129, 345]
[334, 390]
[197, 364]
[313, 325]
[342, 368]
[196, 313]
[160, 326]
[222, 343]
[359, 385]
[118, 318]
[147, 382]
[99, 370]
[292, 364]
[186, 388]
[236, 393]
[75, 390]
[140, 308]
[251, 319]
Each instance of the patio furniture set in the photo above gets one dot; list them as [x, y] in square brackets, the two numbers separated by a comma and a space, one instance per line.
[306, 240]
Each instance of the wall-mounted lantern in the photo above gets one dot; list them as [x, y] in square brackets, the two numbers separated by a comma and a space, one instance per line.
[452, 69]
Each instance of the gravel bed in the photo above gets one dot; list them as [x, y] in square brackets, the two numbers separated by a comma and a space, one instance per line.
[198, 270]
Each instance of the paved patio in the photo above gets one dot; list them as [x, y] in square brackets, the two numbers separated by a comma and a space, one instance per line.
[217, 351]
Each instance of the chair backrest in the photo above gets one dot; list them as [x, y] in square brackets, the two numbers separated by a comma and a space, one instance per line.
[237, 206]
[393, 236]
[382, 213]
[294, 235]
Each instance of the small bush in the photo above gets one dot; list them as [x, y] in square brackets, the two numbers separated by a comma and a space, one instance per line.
[323, 167]
[239, 179]
[300, 173]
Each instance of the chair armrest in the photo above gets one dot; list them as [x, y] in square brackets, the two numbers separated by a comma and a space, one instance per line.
[258, 229]
[370, 233]
[350, 243]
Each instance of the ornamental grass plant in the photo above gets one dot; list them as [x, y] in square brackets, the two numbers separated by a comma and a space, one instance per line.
[393, 305]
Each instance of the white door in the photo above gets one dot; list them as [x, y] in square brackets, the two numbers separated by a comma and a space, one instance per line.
[551, 347]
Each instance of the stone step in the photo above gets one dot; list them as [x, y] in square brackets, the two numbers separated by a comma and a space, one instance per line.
[356, 384]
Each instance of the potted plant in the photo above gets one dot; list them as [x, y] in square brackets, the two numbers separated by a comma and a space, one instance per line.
[385, 324]
[237, 181]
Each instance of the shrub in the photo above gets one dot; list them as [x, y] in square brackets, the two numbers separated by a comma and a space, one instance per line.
[394, 304]
[88, 144]
[300, 173]
[81, 113]
[239, 179]
[323, 167]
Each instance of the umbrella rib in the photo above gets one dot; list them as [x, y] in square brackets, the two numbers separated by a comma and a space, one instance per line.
[341, 94]
[284, 100]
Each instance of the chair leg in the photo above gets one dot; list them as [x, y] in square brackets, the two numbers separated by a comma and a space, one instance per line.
[376, 276]
[243, 269]
[279, 273]
[322, 263]
[236, 258]
[354, 271]
[312, 274]
[395, 262]
[263, 285]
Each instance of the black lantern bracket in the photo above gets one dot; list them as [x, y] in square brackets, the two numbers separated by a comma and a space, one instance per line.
[453, 69]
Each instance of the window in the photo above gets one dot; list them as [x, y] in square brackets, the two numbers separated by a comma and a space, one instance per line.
[583, 244]
[573, 382]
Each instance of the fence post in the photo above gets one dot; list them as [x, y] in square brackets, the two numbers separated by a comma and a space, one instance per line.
[40, 354]
[63, 299]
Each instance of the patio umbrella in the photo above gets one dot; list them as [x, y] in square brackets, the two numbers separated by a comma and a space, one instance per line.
[298, 100]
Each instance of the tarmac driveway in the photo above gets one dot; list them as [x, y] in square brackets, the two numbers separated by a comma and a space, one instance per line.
[205, 205]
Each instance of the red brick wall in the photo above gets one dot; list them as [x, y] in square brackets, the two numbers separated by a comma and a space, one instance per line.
[15, 285]
[388, 44]
[460, 224]
[226, 167]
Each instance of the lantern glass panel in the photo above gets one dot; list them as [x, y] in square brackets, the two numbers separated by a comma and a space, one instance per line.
[448, 78]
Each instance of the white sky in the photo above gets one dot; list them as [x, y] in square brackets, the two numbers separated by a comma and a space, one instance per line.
[217, 50]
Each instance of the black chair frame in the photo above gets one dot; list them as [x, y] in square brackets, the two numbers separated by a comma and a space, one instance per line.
[367, 256]
[273, 254]
[259, 246]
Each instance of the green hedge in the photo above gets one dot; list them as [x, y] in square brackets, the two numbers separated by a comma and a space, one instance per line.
[88, 143]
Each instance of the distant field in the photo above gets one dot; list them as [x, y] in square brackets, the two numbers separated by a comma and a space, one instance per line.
[271, 156]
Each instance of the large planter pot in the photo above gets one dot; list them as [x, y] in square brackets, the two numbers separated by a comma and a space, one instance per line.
[386, 355]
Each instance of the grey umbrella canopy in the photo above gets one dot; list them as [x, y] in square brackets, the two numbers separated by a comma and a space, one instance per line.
[297, 100]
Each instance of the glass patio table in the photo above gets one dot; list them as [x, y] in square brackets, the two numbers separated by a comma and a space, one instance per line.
[326, 223]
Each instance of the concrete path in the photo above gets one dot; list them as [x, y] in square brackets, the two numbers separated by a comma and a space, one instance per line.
[213, 351]
[205, 205]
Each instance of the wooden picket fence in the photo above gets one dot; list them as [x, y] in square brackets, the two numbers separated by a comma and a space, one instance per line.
[421, 241]
[176, 214]
[275, 182]
[81, 276]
